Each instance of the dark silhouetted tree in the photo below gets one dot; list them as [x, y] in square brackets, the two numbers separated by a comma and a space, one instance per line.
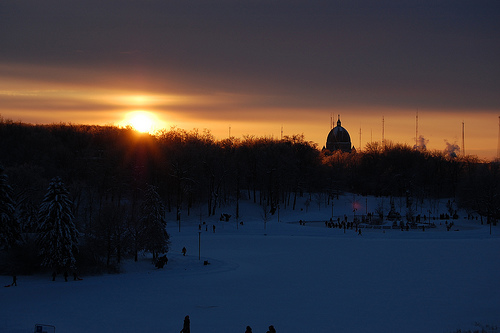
[153, 218]
[9, 227]
[57, 234]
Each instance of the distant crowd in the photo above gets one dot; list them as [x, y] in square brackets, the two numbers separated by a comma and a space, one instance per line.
[187, 329]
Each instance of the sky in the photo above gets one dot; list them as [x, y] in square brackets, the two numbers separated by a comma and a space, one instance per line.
[259, 68]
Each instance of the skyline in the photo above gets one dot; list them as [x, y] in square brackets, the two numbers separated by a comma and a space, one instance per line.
[259, 66]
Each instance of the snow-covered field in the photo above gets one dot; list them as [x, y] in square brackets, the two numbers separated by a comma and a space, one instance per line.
[297, 278]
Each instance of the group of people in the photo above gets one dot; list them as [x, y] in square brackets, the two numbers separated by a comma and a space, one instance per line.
[186, 327]
[54, 274]
[75, 276]
[161, 261]
[271, 329]
[206, 227]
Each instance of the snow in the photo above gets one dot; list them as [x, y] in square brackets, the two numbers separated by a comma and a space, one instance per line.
[297, 278]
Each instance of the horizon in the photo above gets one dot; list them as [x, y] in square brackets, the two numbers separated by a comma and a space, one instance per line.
[275, 132]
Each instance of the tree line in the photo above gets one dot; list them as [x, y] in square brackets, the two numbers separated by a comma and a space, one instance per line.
[120, 183]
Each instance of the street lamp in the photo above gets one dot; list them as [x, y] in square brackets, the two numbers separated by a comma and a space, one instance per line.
[332, 208]
[278, 212]
[199, 245]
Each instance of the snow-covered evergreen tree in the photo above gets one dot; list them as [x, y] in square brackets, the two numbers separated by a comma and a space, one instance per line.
[58, 237]
[156, 238]
[9, 226]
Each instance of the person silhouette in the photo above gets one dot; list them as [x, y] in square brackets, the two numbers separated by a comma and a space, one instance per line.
[185, 328]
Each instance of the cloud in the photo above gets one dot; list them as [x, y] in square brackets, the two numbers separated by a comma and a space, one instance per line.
[337, 53]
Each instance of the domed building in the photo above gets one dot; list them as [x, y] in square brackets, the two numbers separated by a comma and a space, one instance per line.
[339, 139]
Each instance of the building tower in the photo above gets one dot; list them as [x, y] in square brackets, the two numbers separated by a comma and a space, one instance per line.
[339, 139]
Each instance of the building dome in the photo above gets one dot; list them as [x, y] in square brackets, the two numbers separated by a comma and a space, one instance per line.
[339, 139]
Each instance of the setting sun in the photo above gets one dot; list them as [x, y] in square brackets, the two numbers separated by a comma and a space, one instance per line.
[141, 121]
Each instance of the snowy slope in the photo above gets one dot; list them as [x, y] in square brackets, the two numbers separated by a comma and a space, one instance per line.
[297, 278]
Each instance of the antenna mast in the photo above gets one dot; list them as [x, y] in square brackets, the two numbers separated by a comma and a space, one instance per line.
[383, 129]
[416, 133]
[360, 139]
[463, 139]
[498, 147]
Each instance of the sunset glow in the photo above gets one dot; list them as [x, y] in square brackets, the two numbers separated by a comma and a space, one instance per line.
[142, 121]
[290, 80]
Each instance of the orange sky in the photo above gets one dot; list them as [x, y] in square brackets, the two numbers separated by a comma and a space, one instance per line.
[257, 67]
[40, 104]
